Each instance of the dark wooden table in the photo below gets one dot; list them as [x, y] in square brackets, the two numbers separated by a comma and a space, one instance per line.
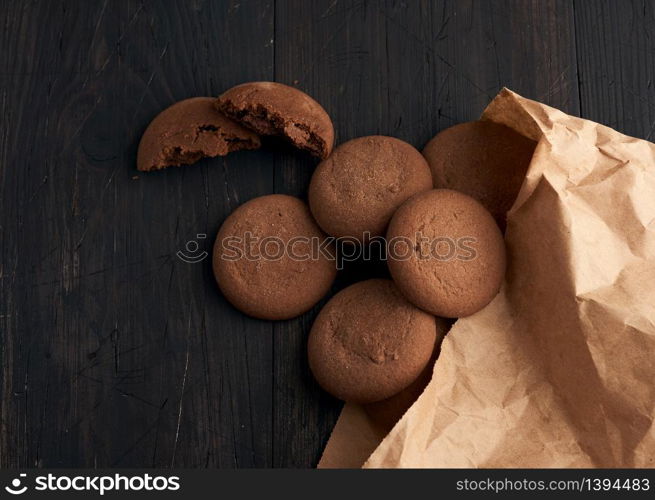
[117, 353]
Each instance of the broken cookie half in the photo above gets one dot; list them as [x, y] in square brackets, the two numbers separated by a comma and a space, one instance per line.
[188, 131]
[271, 108]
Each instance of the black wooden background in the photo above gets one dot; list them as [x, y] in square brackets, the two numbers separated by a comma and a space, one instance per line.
[114, 352]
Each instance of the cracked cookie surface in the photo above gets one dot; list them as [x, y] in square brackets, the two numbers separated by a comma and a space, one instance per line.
[355, 191]
[188, 131]
[369, 343]
[271, 108]
[387, 412]
[267, 259]
[446, 253]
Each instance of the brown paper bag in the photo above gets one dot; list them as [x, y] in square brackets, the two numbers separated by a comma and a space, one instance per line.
[559, 370]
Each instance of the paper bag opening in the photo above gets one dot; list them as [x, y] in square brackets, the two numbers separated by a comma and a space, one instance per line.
[558, 370]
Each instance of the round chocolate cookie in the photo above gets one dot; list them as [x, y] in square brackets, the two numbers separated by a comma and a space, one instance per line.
[271, 108]
[268, 259]
[369, 343]
[483, 159]
[355, 191]
[387, 412]
[446, 253]
[190, 130]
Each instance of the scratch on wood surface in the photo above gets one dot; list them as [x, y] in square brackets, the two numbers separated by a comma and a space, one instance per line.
[431, 50]
[441, 33]
[329, 9]
[149, 82]
[650, 131]
[100, 16]
[559, 84]
[77, 131]
[333, 35]
[179, 412]
[117, 44]
[234, 436]
[494, 44]
[251, 408]
[136, 443]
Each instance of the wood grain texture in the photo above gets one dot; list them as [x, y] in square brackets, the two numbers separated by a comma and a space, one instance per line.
[616, 50]
[114, 351]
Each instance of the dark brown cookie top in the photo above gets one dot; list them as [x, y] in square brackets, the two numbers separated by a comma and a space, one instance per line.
[190, 130]
[266, 258]
[359, 187]
[446, 253]
[483, 159]
[271, 108]
[368, 342]
[387, 412]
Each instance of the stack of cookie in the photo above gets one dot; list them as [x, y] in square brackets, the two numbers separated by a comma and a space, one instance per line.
[440, 216]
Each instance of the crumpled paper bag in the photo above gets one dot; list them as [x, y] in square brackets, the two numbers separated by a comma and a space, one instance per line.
[559, 370]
